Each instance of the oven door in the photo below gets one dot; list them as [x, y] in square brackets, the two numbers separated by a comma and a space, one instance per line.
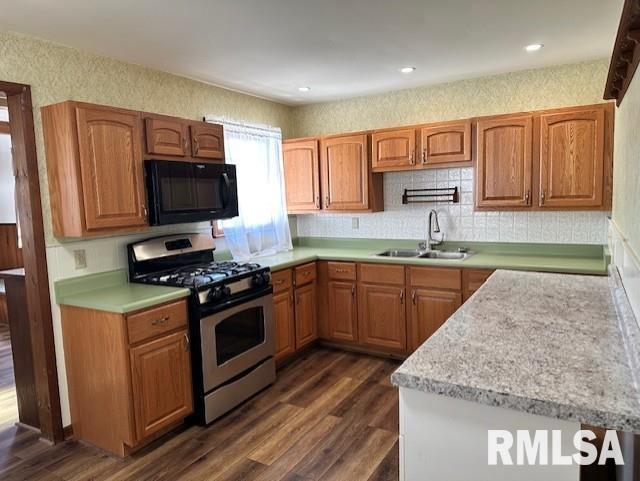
[190, 191]
[236, 339]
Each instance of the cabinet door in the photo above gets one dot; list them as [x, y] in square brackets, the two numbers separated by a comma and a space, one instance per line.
[381, 316]
[166, 137]
[429, 310]
[472, 280]
[572, 159]
[345, 172]
[285, 324]
[110, 152]
[161, 383]
[504, 162]
[301, 175]
[393, 150]
[306, 315]
[207, 141]
[445, 143]
[343, 312]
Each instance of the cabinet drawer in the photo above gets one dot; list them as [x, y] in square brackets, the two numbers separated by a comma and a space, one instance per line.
[382, 274]
[438, 278]
[342, 271]
[153, 322]
[281, 280]
[305, 274]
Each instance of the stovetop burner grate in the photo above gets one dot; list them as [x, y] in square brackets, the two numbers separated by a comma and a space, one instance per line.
[201, 274]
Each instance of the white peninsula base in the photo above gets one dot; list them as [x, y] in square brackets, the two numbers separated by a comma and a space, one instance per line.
[445, 439]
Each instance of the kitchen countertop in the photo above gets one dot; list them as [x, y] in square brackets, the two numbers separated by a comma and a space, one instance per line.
[546, 344]
[111, 292]
[548, 258]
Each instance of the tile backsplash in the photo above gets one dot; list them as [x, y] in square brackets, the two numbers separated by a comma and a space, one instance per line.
[459, 222]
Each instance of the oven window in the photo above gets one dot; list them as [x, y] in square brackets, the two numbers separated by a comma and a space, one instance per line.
[239, 333]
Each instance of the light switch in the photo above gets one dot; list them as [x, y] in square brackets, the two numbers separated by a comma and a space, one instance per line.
[355, 223]
[80, 257]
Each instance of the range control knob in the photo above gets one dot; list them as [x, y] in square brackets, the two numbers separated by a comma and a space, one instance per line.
[226, 291]
[261, 279]
[216, 293]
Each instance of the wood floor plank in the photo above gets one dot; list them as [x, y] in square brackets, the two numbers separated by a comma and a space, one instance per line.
[296, 427]
[364, 457]
[388, 469]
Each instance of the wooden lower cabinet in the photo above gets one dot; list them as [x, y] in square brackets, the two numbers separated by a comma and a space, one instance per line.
[161, 382]
[472, 280]
[381, 320]
[430, 309]
[343, 311]
[285, 324]
[123, 392]
[306, 309]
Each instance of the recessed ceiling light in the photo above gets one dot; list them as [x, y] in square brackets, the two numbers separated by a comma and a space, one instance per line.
[407, 69]
[534, 47]
[304, 89]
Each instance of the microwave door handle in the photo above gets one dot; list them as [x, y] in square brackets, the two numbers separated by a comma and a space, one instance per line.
[225, 190]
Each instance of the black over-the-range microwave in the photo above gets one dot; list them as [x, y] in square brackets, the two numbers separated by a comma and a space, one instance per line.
[180, 191]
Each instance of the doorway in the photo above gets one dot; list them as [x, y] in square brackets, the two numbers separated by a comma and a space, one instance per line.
[27, 351]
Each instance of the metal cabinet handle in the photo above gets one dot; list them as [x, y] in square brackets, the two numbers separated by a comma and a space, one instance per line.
[280, 281]
[542, 197]
[318, 202]
[424, 156]
[353, 290]
[326, 201]
[526, 197]
[341, 271]
[195, 143]
[145, 213]
[402, 296]
[160, 322]
[185, 144]
[291, 299]
[187, 342]
[413, 297]
[412, 157]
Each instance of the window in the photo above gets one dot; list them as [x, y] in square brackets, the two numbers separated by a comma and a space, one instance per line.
[261, 227]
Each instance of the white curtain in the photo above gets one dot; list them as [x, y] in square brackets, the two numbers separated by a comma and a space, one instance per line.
[262, 228]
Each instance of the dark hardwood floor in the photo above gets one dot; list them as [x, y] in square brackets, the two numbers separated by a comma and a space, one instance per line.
[331, 415]
[8, 399]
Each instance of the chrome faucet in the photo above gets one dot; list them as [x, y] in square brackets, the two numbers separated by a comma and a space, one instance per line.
[433, 226]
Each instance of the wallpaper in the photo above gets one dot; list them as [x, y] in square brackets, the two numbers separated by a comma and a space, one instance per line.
[458, 222]
[626, 168]
[562, 86]
[58, 73]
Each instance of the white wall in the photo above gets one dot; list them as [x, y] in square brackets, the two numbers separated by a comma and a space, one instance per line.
[7, 183]
[458, 221]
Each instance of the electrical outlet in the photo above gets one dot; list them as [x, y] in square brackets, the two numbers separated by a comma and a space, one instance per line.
[355, 223]
[80, 257]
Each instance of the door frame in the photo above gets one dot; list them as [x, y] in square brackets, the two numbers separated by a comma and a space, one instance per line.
[25, 168]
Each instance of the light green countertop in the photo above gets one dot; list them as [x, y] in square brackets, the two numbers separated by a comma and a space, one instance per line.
[574, 259]
[110, 291]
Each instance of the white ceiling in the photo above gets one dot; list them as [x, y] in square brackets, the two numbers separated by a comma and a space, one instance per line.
[339, 48]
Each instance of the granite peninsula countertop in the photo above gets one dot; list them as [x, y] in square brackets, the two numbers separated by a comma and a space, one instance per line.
[546, 344]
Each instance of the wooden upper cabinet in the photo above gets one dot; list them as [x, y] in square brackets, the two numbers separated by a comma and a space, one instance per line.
[161, 383]
[572, 158]
[166, 136]
[207, 141]
[110, 154]
[346, 176]
[504, 162]
[301, 175]
[393, 150]
[445, 143]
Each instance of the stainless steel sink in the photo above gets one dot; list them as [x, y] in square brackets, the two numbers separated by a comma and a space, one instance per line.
[452, 255]
[400, 253]
[434, 254]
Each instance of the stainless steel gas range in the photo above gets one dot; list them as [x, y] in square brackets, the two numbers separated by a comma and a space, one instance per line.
[230, 317]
